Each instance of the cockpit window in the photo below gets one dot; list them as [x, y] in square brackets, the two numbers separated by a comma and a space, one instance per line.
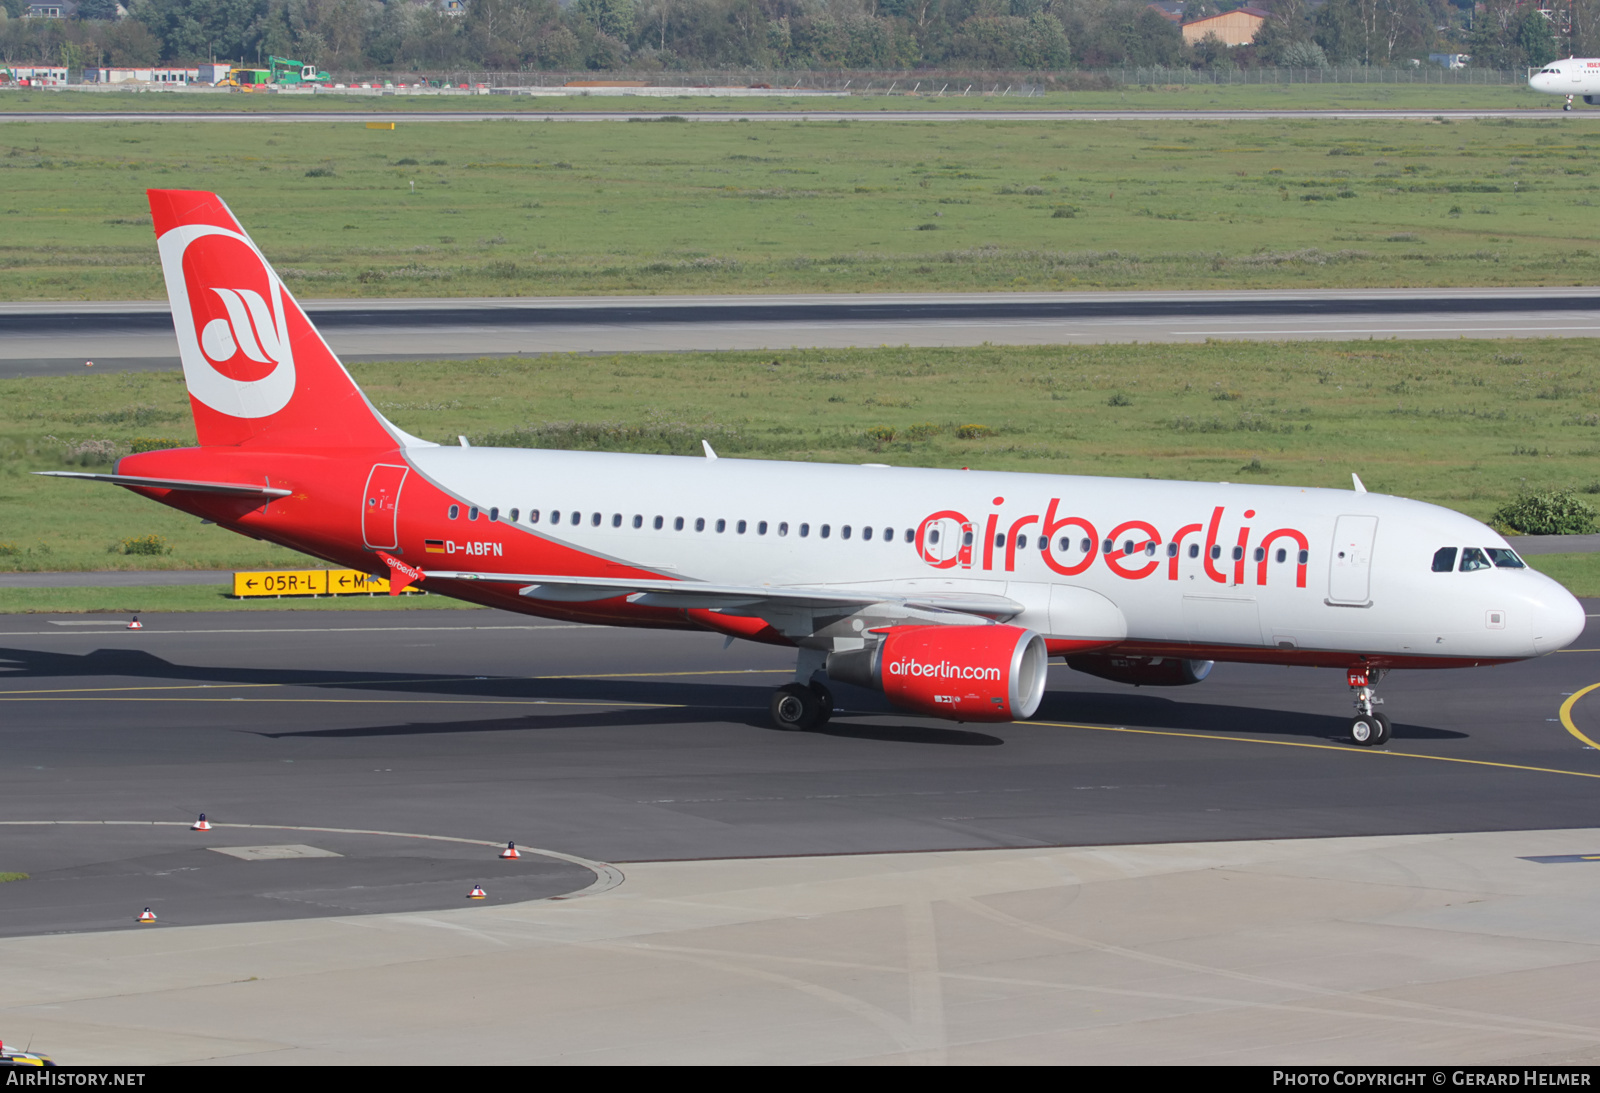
[1444, 560]
[1506, 559]
[1473, 559]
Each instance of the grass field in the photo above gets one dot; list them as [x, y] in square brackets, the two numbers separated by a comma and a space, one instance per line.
[501, 208]
[168, 598]
[1464, 424]
[1324, 96]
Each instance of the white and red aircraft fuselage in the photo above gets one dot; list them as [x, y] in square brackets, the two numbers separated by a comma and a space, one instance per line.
[947, 590]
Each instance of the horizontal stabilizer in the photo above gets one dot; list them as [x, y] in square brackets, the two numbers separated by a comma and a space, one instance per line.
[698, 594]
[237, 489]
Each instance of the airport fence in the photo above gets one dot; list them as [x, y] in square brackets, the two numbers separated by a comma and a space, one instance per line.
[962, 82]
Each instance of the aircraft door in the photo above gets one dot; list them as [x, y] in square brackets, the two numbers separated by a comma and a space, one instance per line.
[380, 506]
[1350, 563]
[947, 543]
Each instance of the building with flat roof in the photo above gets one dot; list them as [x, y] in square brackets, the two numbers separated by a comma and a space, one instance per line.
[1236, 28]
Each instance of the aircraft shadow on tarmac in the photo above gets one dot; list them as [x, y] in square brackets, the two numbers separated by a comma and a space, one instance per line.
[662, 702]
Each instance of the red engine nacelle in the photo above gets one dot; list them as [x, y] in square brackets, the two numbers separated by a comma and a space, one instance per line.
[961, 673]
[1142, 671]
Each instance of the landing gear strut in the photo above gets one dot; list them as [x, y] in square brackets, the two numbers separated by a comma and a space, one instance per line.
[1368, 728]
[1569, 103]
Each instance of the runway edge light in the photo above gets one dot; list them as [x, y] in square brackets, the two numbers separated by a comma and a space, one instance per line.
[147, 915]
[202, 824]
[477, 892]
[511, 851]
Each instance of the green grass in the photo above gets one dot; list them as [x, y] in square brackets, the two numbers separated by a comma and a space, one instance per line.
[1579, 572]
[1464, 424]
[12, 876]
[158, 599]
[501, 208]
[1176, 96]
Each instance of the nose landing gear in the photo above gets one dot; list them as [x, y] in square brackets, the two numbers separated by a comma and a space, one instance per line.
[1368, 728]
[1569, 103]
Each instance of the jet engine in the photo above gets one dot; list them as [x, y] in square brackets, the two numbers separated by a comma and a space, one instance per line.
[1142, 671]
[960, 673]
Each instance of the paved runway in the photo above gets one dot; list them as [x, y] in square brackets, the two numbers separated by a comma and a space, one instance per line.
[625, 746]
[55, 339]
[1546, 110]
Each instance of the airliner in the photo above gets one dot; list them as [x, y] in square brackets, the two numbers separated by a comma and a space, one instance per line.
[946, 590]
[1570, 77]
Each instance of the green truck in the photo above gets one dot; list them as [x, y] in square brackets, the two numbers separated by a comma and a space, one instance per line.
[291, 73]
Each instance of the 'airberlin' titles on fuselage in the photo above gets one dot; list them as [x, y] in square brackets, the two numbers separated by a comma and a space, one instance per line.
[1128, 549]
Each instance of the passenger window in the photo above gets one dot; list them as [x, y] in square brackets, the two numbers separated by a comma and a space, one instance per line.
[739, 527]
[783, 528]
[1150, 548]
[1194, 550]
[1216, 552]
[1259, 555]
[677, 524]
[638, 521]
[616, 519]
[722, 526]
[825, 530]
[699, 523]
[1305, 556]
[594, 520]
[1506, 559]
[844, 532]
[455, 511]
[966, 539]
[1086, 546]
[999, 541]
[805, 529]
[494, 514]
[1172, 550]
[1064, 544]
[513, 516]
[1472, 559]
[658, 523]
[866, 532]
[933, 535]
[533, 516]
[1107, 547]
[1444, 560]
[472, 513]
[1127, 546]
[911, 535]
[1282, 556]
[1236, 553]
[1022, 542]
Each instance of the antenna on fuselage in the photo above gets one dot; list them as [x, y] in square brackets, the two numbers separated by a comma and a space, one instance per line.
[1356, 478]
[706, 444]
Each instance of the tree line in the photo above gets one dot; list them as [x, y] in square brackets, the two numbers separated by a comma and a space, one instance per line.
[645, 36]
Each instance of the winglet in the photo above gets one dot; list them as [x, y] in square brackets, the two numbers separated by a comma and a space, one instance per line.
[706, 444]
[1356, 478]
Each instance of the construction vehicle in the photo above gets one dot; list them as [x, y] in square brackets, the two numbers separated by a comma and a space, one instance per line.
[247, 79]
[288, 73]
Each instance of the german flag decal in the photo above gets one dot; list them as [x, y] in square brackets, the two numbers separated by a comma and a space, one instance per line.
[433, 546]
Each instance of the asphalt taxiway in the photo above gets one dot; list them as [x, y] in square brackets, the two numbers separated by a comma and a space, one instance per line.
[1211, 874]
[58, 339]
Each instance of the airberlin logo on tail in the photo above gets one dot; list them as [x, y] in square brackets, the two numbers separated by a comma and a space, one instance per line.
[228, 310]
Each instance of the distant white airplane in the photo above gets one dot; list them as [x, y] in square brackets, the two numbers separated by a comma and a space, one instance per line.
[947, 590]
[1571, 77]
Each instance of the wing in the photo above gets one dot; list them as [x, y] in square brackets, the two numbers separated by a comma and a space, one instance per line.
[699, 594]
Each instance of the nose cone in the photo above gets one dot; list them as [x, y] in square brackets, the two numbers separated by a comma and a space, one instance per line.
[1558, 620]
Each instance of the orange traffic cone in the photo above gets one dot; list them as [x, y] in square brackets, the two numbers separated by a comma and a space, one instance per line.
[202, 824]
[136, 624]
[476, 893]
[147, 916]
[511, 851]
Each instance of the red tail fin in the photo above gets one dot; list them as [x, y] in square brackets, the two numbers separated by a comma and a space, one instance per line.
[258, 372]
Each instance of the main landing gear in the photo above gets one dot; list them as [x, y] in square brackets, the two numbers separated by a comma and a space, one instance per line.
[802, 706]
[1368, 728]
[807, 703]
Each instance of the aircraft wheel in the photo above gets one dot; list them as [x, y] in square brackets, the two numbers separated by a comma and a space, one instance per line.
[1568, 106]
[1385, 730]
[795, 708]
[1365, 730]
[824, 701]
